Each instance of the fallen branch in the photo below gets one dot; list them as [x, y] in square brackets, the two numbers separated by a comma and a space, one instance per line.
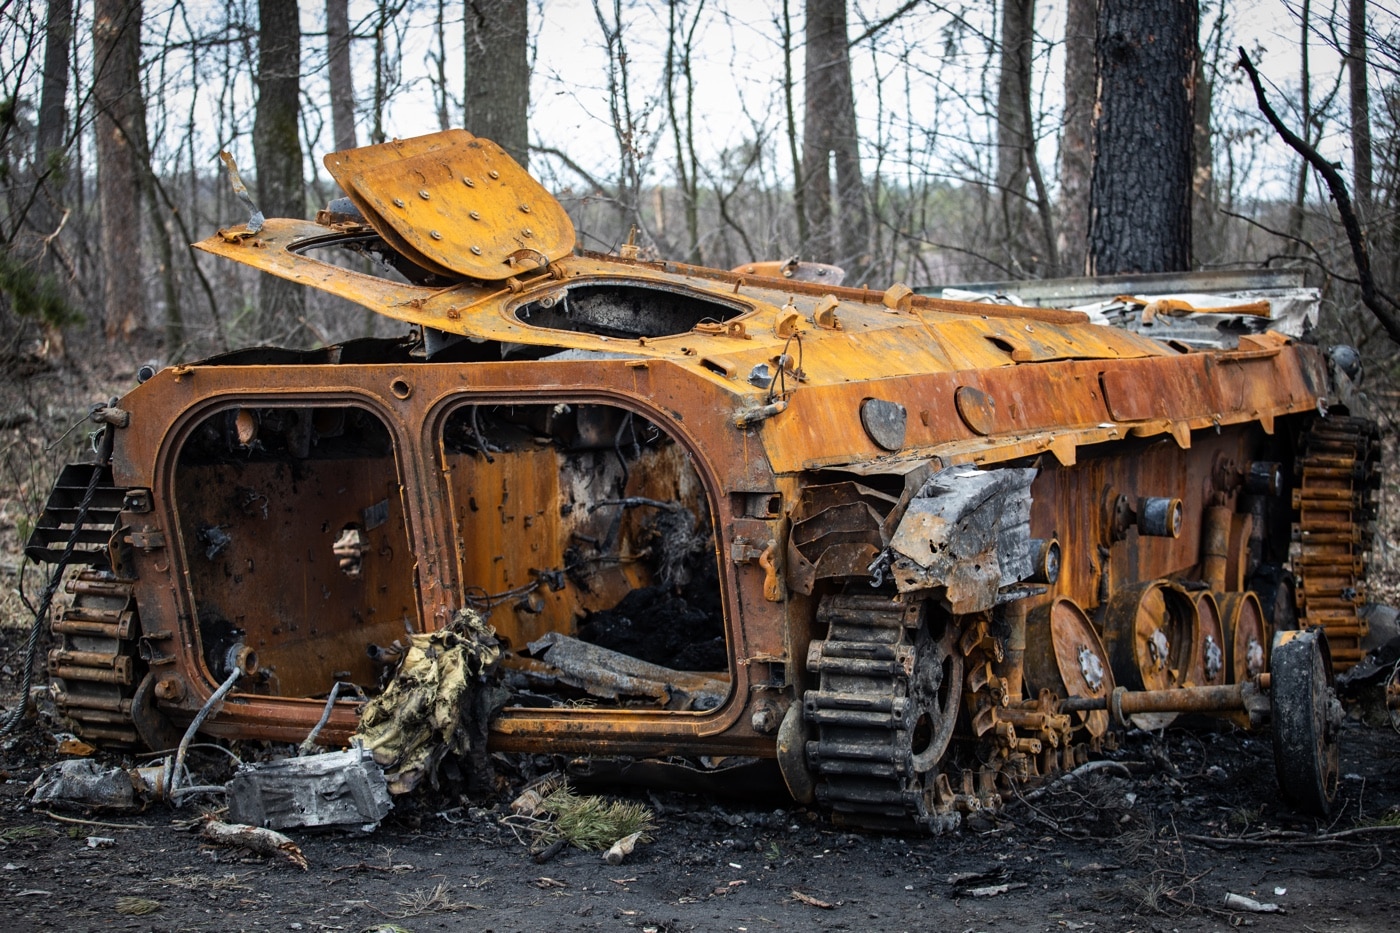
[1380, 304]
[1115, 767]
[254, 839]
[1294, 838]
[73, 819]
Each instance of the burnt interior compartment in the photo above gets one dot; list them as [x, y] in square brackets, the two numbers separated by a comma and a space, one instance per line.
[295, 543]
[627, 311]
[585, 522]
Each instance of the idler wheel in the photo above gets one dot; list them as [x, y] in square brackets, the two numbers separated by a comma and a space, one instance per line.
[1246, 636]
[1208, 666]
[1065, 656]
[935, 689]
[1306, 720]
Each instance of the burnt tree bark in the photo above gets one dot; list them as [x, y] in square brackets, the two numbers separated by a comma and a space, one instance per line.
[118, 105]
[277, 151]
[1076, 160]
[341, 75]
[496, 97]
[1140, 192]
[829, 140]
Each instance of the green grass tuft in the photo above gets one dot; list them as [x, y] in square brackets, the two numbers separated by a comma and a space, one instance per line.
[593, 823]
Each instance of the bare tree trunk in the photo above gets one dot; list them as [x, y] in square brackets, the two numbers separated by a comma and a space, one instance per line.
[1360, 107]
[53, 115]
[1140, 193]
[790, 110]
[116, 36]
[1013, 142]
[1076, 161]
[381, 88]
[438, 57]
[277, 151]
[1300, 190]
[829, 136]
[1204, 244]
[682, 118]
[341, 74]
[497, 92]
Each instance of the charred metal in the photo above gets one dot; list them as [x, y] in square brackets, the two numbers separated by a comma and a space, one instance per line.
[914, 551]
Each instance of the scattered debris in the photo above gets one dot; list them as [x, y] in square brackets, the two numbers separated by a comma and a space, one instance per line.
[345, 788]
[74, 747]
[549, 851]
[609, 675]
[81, 783]
[254, 839]
[436, 704]
[530, 802]
[811, 901]
[100, 842]
[431, 900]
[622, 848]
[137, 906]
[590, 823]
[1240, 902]
[995, 889]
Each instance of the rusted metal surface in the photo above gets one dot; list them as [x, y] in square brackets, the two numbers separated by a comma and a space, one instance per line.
[903, 545]
[1247, 635]
[94, 669]
[1130, 705]
[1335, 501]
[1151, 632]
[1065, 656]
[611, 675]
[1208, 663]
[455, 204]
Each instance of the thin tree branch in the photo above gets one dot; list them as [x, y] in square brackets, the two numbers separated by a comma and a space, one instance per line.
[1381, 305]
[1318, 260]
[571, 165]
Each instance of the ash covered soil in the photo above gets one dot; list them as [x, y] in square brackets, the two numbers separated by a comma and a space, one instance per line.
[1197, 817]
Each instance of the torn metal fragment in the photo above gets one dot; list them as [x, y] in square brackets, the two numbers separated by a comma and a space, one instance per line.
[345, 788]
[609, 674]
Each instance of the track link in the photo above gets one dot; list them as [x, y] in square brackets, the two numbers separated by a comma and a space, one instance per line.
[883, 712]
[1334, 501]
[94, 671]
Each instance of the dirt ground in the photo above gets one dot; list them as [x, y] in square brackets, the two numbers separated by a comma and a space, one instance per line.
[1157, 851]
[1156, 845]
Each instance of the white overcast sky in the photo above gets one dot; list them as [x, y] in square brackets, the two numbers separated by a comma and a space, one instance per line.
[738, 62]
[738, 70]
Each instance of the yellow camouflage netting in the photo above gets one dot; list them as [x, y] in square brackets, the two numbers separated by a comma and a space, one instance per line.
[430, 708]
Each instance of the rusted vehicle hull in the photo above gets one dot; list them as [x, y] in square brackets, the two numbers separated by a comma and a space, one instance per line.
[890, 541]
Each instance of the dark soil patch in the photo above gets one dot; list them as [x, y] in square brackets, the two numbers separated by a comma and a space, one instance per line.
[1198, 818]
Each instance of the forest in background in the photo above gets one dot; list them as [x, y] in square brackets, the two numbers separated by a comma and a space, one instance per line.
[914, 141]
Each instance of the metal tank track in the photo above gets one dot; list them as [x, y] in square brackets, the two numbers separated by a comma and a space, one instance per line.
[883, 713]
[1334, 501]
[93, 672]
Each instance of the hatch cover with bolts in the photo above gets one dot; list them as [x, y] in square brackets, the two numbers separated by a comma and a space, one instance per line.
[455, 204]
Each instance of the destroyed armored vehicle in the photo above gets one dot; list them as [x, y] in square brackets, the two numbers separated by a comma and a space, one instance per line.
[910, 550]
